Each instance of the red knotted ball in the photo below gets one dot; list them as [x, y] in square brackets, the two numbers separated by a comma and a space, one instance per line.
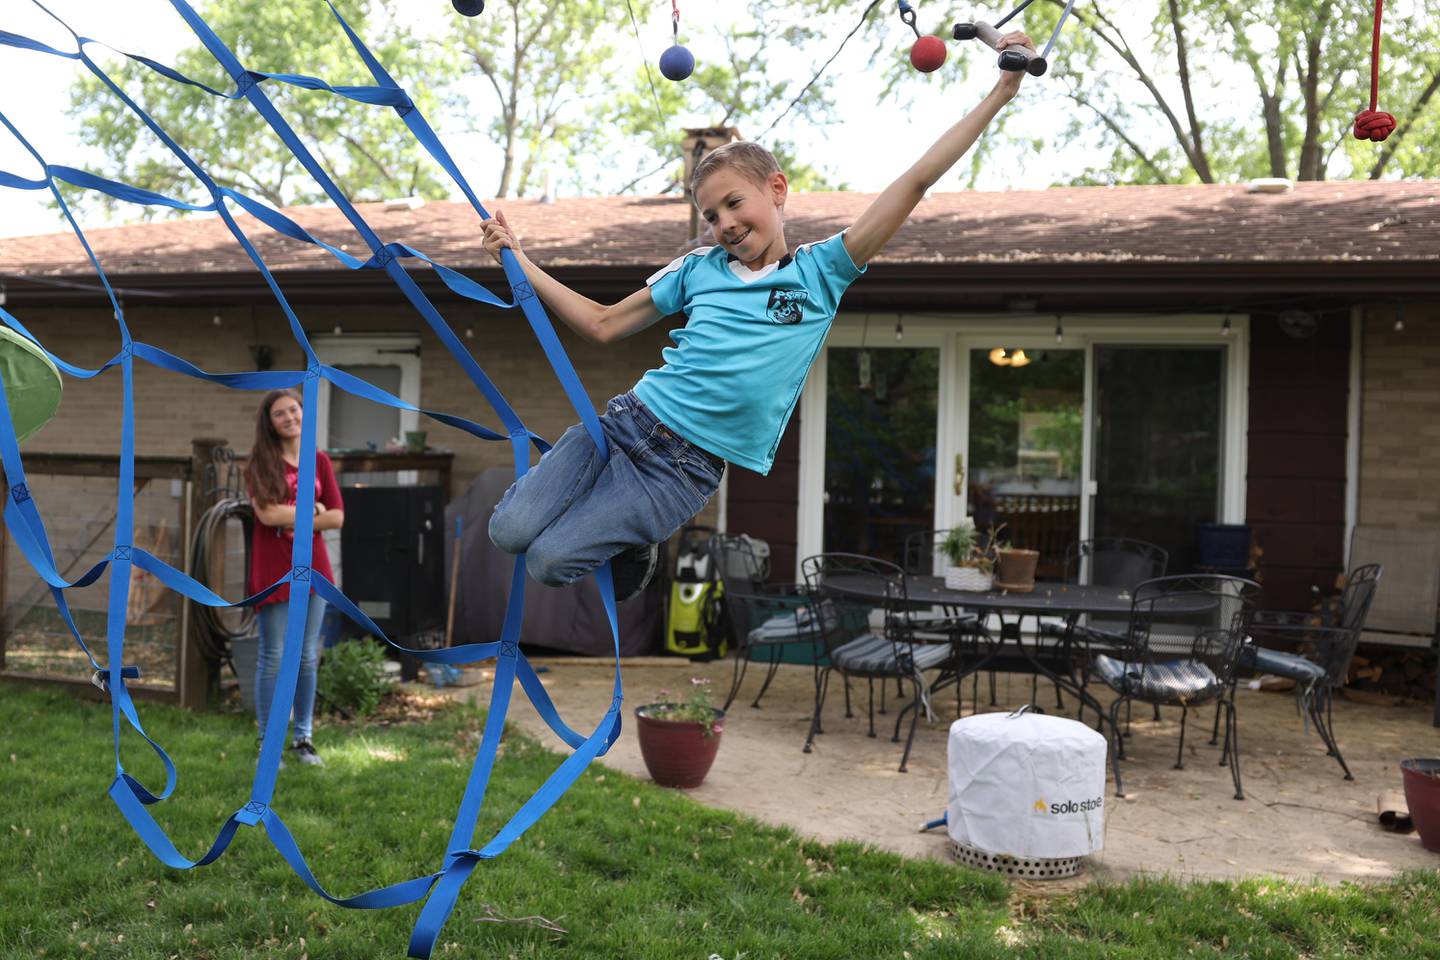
[928, 54]
[1373, 125]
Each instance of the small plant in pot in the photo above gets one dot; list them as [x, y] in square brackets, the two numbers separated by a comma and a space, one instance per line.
[970, 566]
[679, 738]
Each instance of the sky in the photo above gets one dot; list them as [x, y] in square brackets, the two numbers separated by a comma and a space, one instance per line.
[34, 96]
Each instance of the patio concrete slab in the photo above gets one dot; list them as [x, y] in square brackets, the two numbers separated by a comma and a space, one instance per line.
[1300, 818]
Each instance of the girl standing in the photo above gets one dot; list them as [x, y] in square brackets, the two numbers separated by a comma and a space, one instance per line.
[272, 476]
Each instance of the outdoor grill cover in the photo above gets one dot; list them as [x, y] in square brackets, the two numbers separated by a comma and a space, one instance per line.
[1027, 785]
[561, 618]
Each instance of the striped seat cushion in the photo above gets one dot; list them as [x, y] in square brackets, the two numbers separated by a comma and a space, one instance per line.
[875, 655]
[797, 624]
[1168, 681]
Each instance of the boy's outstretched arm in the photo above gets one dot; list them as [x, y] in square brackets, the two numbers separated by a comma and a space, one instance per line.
[592, 320]
[874, 228]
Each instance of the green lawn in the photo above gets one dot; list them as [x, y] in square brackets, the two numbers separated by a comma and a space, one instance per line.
[626, 869]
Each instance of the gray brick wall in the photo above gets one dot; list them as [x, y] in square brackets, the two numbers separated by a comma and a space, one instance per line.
[172, 409]
[1400, 418]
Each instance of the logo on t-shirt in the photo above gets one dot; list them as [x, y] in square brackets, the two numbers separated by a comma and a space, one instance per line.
[786, 306]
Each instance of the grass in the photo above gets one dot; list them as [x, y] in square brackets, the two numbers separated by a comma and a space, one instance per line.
[625, 868]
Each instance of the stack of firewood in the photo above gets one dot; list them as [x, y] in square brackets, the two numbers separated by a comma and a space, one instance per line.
[1393, 672]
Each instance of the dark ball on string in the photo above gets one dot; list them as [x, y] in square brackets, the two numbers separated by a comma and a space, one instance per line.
[677, 63]
[471, 8]
[928, 54]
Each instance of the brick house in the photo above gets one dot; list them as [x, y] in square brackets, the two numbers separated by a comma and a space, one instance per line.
[1071, 362]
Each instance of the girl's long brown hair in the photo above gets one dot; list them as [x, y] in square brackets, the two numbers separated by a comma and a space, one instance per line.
[265, 473]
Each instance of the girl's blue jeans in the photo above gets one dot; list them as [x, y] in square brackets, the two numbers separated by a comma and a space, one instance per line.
[572, 512]
[271, 619]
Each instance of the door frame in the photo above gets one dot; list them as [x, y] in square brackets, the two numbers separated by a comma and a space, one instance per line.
[953, 334]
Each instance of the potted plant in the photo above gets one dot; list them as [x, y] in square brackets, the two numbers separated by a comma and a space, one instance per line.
[1422, 796]
[970, 565]
[1015, 568]
[678, 739]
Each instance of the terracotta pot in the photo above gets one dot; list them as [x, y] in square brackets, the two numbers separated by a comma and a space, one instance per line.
[1422, 796]
[1015, 569]
[678, 753]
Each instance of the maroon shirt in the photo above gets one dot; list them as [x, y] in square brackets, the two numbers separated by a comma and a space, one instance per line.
[270, 546]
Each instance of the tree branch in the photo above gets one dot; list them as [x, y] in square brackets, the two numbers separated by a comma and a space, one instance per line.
[1182, 61]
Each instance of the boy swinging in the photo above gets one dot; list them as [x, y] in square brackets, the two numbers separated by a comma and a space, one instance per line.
[757, 316]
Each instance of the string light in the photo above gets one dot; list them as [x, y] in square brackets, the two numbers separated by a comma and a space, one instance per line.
[215, 320]
[899, 327]
[1059, 329]
[3, 295]
[1225, 327]
[1399, 317]
[469, 333]
[338, 330]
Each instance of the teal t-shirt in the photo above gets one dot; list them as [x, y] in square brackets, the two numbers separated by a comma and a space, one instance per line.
[730, 382]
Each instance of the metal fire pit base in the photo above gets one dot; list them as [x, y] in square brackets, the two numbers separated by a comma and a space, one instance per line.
[1031, 868]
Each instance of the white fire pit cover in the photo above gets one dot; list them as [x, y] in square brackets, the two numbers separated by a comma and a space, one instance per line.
[1027, 785]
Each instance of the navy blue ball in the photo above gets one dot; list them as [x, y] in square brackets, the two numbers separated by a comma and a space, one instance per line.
[677, 63]
[471, 8]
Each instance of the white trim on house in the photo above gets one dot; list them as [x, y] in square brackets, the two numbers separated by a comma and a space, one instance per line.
[1353, 426]
[954, 334]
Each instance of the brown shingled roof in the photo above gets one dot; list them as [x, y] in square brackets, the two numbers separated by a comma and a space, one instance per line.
[1367, 221]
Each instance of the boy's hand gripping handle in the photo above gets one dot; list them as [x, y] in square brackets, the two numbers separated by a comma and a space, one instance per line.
[1011, 58]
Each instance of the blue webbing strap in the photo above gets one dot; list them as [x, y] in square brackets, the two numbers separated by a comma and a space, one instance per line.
[440, 906]
[385, 256]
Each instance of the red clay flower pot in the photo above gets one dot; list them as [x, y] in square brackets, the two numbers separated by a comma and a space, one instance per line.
[678, 753]
[1422, 796]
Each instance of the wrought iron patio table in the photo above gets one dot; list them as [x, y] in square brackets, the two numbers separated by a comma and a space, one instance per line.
[1067, 601]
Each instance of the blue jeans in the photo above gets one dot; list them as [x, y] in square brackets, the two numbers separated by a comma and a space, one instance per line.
[271, 619]
[572, 512]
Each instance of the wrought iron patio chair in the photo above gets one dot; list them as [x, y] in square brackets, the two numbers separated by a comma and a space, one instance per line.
[847, 588]
[1181, 649]
[1108, 562]
[1328, 642]
[766, 622]
[965, 631]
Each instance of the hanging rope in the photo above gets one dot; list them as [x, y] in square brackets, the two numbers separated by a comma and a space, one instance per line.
[1374, 124]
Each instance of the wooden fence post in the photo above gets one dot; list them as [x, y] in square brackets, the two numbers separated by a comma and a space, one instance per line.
[193, 677]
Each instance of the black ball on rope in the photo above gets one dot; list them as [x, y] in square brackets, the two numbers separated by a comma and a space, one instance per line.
[471, 8]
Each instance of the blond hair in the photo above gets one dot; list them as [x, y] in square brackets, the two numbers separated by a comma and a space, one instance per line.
[749, 159]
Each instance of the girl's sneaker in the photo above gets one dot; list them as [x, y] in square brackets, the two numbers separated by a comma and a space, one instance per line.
[305, 753]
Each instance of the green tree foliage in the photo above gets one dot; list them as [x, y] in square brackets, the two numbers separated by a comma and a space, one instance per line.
[1215, 90]
[366, 149]
[544, 67]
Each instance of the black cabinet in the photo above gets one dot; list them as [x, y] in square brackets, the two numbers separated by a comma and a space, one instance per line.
[392, 557]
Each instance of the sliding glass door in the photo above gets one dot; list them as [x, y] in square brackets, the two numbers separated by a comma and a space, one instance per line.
[1158, 427]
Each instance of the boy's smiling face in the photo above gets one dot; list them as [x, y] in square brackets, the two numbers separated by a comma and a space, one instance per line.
[744, 215]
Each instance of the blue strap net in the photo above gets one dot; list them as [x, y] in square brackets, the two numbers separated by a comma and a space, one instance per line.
[439, 889]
